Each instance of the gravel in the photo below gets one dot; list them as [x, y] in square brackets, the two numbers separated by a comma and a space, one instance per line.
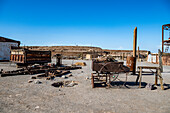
[19, 96]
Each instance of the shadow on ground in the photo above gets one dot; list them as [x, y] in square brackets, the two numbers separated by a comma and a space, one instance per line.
[128, 85]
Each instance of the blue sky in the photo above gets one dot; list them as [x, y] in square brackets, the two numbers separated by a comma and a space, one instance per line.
[108, 24]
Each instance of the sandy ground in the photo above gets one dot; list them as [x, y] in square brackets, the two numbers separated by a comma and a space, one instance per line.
[19, 96]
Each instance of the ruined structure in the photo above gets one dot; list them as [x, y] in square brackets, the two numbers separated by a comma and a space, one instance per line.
[5, 46]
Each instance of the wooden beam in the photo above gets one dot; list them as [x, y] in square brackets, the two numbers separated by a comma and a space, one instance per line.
[134, 50]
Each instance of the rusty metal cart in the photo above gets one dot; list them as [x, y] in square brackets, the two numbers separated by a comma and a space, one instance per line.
[107, 72]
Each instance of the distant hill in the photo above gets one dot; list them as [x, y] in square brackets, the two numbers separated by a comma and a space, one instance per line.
[77, 51]
[67, 50]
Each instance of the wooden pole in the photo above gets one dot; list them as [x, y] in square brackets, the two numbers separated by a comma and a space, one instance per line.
[160, 60]
[122, 56]
[162, 39]
[138, 53]
[134, 50]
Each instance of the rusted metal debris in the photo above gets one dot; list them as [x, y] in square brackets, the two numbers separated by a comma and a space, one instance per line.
[109, 70]
[65, 84]
[41, 70]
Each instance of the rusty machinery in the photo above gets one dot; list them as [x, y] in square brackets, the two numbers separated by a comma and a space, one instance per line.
[107, 73]
[165, 42]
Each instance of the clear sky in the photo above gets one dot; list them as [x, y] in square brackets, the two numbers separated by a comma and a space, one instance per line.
[108, 24]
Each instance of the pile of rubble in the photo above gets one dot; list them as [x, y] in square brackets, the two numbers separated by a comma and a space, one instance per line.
[41, 71]
[65, 84]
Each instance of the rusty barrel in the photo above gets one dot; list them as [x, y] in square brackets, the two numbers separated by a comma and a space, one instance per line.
[130, 62]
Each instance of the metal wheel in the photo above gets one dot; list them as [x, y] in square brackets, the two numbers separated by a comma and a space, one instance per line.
[113, 78]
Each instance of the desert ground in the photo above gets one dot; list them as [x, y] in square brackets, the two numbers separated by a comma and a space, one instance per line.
[19, 96]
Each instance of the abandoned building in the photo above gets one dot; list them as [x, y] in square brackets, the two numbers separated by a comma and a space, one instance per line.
[5, 46]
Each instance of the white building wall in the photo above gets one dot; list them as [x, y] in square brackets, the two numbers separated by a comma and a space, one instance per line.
[5, 49]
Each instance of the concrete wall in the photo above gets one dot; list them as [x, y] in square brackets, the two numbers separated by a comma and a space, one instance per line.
[5, 49]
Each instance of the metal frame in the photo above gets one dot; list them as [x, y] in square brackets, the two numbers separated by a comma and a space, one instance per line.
[165, 42]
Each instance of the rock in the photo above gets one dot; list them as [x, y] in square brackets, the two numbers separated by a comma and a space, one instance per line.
[37, 107]
[58, 84]
[70, 75]
[33, 77]
[64, 76]
[72, 84]
[29, 81]
[150, 86]
[38, 82]
[80, 64]
[18, 95]
[87, 78]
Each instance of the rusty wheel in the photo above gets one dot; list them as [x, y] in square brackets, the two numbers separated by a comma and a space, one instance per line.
[114, 78]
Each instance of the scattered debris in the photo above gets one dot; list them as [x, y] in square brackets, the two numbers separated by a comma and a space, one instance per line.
[150, 86]
[29, 81]
[72, 84]
[69, 75]
[79, 64]
[64, 76]
[106, 59]
[87, 78]
[38, 82]
[65, 84]
[37, 107]
[41, 71]
[57, 84]
[18, 95]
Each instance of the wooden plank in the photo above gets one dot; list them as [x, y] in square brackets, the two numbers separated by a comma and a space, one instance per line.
[161, 79]
[148, 67]
[160, 60]
[156, 77]
[140, 77]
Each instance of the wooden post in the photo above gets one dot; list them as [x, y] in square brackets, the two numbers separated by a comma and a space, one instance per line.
[138, 53]
[162, 39]
[140, 77]
[147, 55]
[122, 56]
[82, 55]
[156, 77]
[134, 50]
[160, 60]
[160, 79]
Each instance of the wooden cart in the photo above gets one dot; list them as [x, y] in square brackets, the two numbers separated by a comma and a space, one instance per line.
[24, 57]
[108, 70]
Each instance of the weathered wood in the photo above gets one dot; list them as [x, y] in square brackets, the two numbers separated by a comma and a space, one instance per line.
[140, 77]
[160, 60]
[138, 54]
[156, 77]
[161, 79]
[157, 73]
[123, 56]
[62, 73]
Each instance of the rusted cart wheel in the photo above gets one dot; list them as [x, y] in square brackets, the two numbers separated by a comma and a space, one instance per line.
[114, 78]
